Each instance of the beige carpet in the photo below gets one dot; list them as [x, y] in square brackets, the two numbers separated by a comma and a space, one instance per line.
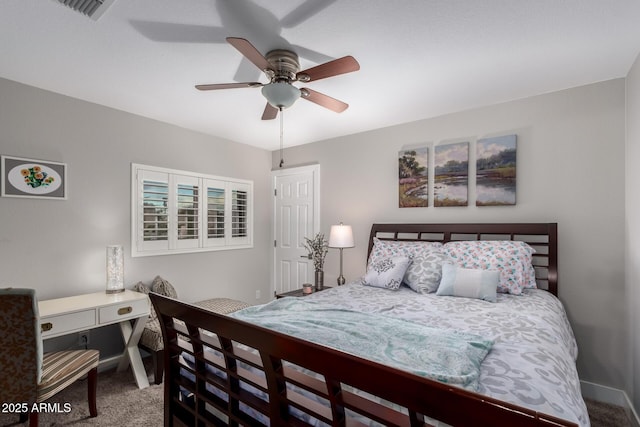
[121, 403]
[606, 415]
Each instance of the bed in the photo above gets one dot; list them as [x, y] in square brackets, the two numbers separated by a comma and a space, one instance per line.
[250, 368]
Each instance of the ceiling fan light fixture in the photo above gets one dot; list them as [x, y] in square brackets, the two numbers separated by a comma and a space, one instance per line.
[281, 94]
[282, 68]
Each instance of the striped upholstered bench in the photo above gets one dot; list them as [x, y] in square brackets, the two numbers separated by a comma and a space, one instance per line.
[151, 338]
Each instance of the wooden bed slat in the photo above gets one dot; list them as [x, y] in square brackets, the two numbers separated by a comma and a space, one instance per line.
[372, 410]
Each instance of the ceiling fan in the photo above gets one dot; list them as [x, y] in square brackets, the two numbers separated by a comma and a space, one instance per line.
[283, 69]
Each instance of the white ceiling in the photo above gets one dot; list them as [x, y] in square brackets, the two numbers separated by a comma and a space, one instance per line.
[418, 58]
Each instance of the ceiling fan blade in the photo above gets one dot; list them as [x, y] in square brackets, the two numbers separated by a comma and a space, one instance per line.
[227, 85]
[303, 12]
[324, 100]
[179, 33]
[311, 55]
[270, 112]
[336, 67]
[250, 52]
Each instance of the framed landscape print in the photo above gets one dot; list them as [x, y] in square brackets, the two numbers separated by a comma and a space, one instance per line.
[33, 178]
[413, 188]
[496, 171]
[451, 178]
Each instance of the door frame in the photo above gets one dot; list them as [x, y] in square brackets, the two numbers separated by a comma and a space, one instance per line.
[315, 170]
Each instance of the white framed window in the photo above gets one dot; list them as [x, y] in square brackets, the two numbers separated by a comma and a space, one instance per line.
[176, 211]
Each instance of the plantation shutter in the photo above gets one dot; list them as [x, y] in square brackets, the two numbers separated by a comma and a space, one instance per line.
[177, 212]
[215, 212]
[239, 213]
[152, 219]
[186, 230]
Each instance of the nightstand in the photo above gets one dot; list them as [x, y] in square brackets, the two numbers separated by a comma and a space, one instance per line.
[298, 292]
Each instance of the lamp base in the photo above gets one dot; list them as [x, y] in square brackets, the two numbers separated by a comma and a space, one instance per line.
[115, 291]
[341, 280]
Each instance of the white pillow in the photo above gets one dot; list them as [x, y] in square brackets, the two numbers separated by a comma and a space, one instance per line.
[387, 272]
[468, 282]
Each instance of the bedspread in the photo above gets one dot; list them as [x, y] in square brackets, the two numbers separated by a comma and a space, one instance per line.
[532, 361]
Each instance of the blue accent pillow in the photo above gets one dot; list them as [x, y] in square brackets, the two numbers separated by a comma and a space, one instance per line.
[468, 282]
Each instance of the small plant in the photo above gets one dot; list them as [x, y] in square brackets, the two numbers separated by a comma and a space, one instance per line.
[317, 248]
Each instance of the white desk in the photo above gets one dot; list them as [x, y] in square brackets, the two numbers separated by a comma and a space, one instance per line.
[63, 316]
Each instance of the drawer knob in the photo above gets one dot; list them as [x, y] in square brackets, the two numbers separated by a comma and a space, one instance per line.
[124, 310]
[46, 326]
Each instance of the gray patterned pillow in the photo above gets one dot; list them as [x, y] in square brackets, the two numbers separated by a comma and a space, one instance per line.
[387, 272]
[142, 288]
[425, 272]
[390, 248]
[163, 287]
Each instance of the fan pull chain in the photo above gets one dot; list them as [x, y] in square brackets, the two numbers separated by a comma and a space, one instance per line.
[281, 136]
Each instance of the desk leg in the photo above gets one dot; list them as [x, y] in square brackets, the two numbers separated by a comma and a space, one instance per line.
[131, 354]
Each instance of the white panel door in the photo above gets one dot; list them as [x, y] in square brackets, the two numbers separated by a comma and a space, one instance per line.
[296, 216]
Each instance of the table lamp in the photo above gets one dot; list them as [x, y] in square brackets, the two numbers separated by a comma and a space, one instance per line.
[115, 269]
[341, 237]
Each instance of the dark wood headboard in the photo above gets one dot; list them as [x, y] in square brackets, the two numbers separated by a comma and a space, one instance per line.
[543, 237]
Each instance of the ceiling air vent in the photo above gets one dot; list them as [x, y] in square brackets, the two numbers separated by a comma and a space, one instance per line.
[91, 8]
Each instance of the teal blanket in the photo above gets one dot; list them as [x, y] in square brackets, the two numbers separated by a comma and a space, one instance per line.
[445, 356]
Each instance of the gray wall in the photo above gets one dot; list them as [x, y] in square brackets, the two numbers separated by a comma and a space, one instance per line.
[571, 147]
[58, 247]
[571, 152]
[632, 227]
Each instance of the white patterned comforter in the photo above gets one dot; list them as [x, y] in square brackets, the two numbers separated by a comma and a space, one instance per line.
[532, 362]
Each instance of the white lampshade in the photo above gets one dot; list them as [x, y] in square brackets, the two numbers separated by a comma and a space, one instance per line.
[115, 269]
[281, 94]
[341, 236]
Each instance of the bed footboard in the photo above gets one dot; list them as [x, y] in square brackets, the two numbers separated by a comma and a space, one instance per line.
[223, 371]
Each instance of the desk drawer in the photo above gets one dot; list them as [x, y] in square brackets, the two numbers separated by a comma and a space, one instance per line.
[122, 311]
[69, 322]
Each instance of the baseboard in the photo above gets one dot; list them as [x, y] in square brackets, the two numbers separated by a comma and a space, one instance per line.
[111, 362]
[612, 396]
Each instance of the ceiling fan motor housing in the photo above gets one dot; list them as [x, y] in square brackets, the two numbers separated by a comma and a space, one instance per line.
[285, 65]
[284, 68]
